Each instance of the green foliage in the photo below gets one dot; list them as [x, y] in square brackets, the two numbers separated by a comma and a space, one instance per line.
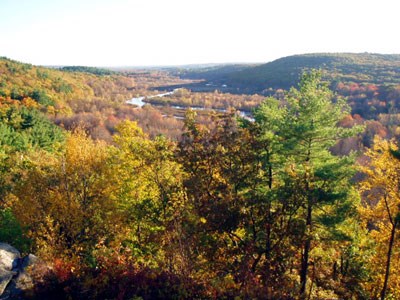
[308, 185]
[41, 97]
[11, 231]
[24, 128]
[91, 70]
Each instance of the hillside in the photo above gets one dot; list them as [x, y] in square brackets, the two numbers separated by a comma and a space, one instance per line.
[345, 67]
[209, 72]
[371, 82]
[58, 90]
[92, 98]
[285, 72]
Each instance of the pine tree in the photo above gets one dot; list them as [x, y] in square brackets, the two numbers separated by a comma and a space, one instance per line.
[305, 127]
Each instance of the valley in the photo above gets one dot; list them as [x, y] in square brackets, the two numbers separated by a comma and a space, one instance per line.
[268, 181]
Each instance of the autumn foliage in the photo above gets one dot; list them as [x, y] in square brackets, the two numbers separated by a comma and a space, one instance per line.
[275, 208]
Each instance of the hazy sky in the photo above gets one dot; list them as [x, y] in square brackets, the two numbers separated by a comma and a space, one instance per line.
[167, 32]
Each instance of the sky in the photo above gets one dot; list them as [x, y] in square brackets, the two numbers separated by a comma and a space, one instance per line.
[177, 32]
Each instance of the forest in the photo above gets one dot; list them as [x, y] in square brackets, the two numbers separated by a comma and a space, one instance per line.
[284, 72]
[302, 202]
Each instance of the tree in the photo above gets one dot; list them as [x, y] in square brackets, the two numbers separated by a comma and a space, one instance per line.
[271, 209]
[220, 175]
[303, 130]
[65, 199]
[25, 128]
[382, 205]
[150, 195]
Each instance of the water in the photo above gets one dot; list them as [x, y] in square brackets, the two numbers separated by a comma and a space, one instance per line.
[138, 101]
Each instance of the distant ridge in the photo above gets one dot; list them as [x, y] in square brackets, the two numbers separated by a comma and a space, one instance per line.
[380, 69]
[355, 67]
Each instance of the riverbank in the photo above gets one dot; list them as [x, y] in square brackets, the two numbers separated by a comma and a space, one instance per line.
[146, 100]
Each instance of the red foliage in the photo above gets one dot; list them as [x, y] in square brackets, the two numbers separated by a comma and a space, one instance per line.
[115, 277]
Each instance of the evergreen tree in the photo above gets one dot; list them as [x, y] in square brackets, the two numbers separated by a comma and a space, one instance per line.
[316, 182]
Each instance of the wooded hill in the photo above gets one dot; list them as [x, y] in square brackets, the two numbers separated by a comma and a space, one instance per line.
[371, 82]
[285, 72]
[55, 90]
[84, 96]
[339, 67]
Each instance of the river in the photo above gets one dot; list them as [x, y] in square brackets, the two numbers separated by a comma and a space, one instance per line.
[138, 101]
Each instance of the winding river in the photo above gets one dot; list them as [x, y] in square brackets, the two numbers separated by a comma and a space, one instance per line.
[138, 101]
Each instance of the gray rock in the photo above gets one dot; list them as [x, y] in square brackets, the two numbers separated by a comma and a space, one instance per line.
[5, 278]
[9, 257]
[9, 261]
[16, 273]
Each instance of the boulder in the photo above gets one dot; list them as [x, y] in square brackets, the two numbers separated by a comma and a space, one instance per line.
[9, 261]
[16, 273]
[9, 257]
[5, 279]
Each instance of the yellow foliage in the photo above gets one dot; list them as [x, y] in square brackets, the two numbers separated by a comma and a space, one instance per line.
[380, 210]
[150, 196]
[29, 102]
[65, 199]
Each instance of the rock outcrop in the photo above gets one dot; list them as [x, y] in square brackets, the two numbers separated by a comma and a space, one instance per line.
[15, 278]
[9, 260]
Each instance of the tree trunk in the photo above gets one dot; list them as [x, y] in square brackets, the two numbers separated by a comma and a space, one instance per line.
[388, 257]
[268, 233]
[268, 253]
[306, 251]
[268, 239]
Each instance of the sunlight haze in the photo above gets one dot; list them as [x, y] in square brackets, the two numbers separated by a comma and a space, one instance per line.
[159, 32]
